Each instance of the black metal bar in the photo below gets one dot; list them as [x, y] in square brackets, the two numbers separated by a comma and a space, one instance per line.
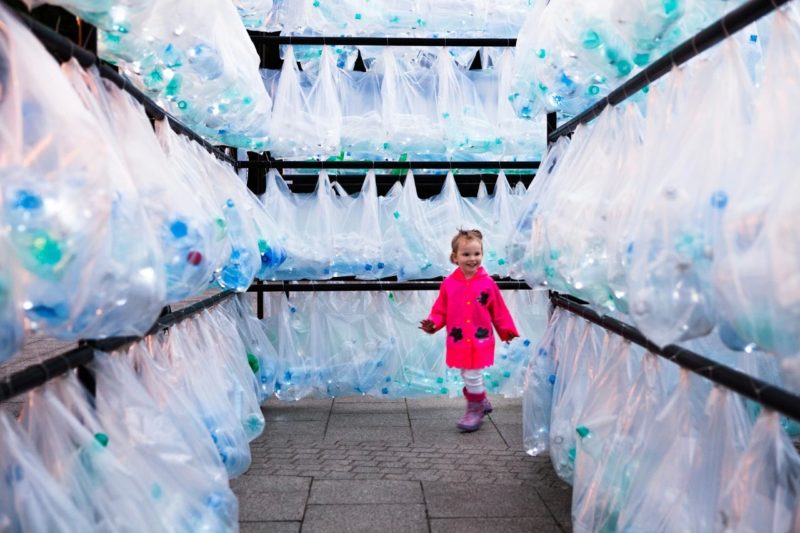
[702, 41]
[324, 165]
[350, 285]
[36, 375]
[552, 124]
[762, 392]
[63, 49]
[259, 38]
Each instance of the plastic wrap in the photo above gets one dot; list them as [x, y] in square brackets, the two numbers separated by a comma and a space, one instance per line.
[65, 207]
[86, 463]
[671, 295]
[764, 491]
[31, 500]
[185, 498]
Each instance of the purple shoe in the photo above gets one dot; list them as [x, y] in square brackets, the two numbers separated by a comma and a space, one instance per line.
[487, 405]
[473, 418]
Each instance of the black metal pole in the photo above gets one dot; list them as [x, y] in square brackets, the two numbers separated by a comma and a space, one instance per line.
[63, 49]
[702, 41]
[762, 392]
[260, 38]
[403, 165]
[36, 375]
[335, 285]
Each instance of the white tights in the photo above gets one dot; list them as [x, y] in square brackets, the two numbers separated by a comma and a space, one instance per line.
[473, 380]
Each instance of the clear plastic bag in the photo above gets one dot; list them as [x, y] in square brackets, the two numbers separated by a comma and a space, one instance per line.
[358, 243]
[185, 498]
[31, 500]
[11, 329]
[86, 463]
[261, 354]
[575, 371]
[73, 268]
[764, 492]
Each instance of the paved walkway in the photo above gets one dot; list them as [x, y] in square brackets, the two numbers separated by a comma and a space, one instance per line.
[361, 464]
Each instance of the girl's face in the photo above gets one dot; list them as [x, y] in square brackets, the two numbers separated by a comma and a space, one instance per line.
[468, 256]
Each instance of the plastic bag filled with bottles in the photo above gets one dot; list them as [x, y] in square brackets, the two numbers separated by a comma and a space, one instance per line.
[11, 314]
[69, 207]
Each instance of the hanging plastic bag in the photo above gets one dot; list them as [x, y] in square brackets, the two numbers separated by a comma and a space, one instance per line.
[185, 497]
[362, 126]
[519, 138]
[219, 333]
[31, 500]
[537, 397]
[210, 230]
[261, 355]
[764, 492]
[11, 330]
[444, 216]
[86, 463]
[620, 410]
[575, 371]
[71, 270]
[673, 249]
[358, 245]
[293, 128]
[211, 392]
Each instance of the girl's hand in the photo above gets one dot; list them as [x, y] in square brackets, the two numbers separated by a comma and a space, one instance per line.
[427, 326]
[510, 337]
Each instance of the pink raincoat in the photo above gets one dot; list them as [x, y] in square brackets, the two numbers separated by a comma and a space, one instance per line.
[469, 308]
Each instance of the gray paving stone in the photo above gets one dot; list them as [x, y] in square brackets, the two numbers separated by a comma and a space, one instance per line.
[307, 430]
[366, 399]
[281, 413]
[364, 492]
[452, 414]
[340, 407]
[463, 500]
[371, 433]
[397, 518]
[483, 525]
[271, 506]
[512, 434]
[251, 482]
[367, 420]
[510, 414]
[269, 527]
[445, 432]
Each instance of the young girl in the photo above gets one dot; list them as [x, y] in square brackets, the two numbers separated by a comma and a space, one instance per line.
[469, 304]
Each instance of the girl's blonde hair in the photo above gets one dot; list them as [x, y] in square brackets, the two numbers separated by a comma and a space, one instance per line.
[464, 235]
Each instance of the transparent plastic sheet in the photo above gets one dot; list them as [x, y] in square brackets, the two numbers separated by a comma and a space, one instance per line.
[408, 243]
[764, 492]
[31, 499]
[59, 209]
[208, 231]
[212, 393]
[205, 70]
[93, 468]
[167, 385]
[362, 126]
[621, 407]
[408, 110]
[185, 498]
[664, 459]
[444, 214]
[670, 285]
[11, 314]
[358, 243]
[238, 223]
[495, 217]
[261, 354]
[521, 137]
[537, 396]
[518, 249]
[135, 279]
[575, 371]
[755, 278]
[292, 125]
[254, 13]
[459, 111]
[174, 213]
[217, 332]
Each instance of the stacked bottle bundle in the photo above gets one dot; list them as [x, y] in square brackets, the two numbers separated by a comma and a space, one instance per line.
[105, 221]
[194, 58]
[418, 18]
[329, 234]
[682, 242]
[648, 446]
[404, 107]
[153, 449]
[571, 53]
[346, 343]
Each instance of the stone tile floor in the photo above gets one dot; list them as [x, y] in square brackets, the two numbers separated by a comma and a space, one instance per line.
[361, 464]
